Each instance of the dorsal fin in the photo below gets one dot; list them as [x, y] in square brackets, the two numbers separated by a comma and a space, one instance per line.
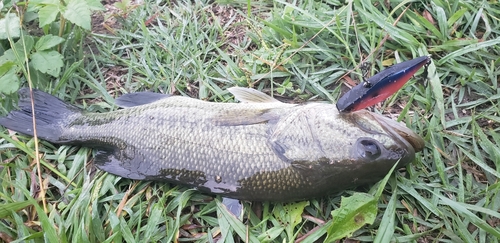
[247, 95]
[139, 98]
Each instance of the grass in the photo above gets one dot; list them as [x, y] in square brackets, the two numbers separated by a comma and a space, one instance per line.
[301, 52]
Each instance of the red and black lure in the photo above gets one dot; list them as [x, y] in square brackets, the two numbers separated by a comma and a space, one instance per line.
[381, 85]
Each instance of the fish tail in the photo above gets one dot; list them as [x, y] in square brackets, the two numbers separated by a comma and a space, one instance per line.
[52, 115]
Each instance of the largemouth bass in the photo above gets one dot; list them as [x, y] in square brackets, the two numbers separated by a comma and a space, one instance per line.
[260, 149]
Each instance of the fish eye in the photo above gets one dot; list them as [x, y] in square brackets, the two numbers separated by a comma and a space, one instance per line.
[368, 148]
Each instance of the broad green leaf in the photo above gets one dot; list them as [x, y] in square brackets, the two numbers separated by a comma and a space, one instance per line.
[9, 82]
[354, 212]
[8, 57]
[122, 5]
[10, 26]
[47, 42]
[48, 14]
[94, 5]
[290, 215]
[6, 65]
[270, 234]
[49, 62]
[18, 56]
[44, 2]
[78, 12]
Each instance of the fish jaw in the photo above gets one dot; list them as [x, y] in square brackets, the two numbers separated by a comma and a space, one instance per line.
[405, 143]
[401, 132]
[381, 85]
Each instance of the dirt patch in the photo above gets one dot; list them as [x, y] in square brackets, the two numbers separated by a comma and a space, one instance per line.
[233, 22]
[105, 22]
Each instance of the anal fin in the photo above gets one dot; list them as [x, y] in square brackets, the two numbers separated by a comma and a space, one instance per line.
[234, 206]
[106, 160]
[242, 117]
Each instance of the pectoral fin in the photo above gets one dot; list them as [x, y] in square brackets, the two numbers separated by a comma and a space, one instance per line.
[242, 117]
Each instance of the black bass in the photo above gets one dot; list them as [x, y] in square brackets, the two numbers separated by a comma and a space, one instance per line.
[260, 149]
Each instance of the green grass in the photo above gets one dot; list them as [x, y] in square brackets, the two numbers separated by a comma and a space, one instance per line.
[451, 193]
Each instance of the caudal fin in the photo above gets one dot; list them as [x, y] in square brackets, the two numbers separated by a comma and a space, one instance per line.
[51, 113]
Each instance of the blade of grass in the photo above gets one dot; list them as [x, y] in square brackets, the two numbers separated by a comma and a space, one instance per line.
[468, 215]
[6, 209]
[388, 222]
[235, 224]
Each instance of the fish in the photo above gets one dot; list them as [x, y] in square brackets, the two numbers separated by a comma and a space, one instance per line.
[259, 149]
[381, 85]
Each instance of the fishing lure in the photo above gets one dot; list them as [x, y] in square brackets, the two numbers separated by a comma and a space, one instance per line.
[381, 85]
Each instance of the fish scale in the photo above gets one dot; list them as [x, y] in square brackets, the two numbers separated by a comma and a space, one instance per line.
[170, 148]
[257, 150]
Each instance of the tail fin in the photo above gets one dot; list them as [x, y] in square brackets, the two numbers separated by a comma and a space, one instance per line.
[51, 113]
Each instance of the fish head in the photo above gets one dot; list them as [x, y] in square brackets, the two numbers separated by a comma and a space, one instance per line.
[319, 135]
[347, 150]
[374, 145]
[385, 141]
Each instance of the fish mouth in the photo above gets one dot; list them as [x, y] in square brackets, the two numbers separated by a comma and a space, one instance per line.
[401, 132]
[405, 143]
